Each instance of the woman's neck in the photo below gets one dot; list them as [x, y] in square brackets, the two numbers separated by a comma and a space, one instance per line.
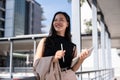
[61, 34]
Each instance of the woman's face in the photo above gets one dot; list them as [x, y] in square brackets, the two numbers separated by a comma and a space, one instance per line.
[60, 23]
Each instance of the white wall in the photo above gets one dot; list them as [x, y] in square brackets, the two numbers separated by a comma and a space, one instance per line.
[116, 61]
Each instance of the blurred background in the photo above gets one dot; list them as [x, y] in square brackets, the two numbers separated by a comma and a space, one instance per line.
[24, 22]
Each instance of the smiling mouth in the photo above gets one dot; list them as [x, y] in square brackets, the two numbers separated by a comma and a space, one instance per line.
[58, 26]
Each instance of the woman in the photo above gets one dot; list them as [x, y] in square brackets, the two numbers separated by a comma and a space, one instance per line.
[59, 44]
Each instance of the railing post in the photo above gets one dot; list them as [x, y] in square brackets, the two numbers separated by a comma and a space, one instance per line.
[11, 58]
[34, 47]
[88, 76]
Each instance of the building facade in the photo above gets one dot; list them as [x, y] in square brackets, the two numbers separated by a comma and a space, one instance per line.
[33, 17]
[2, 17]
[20, 17]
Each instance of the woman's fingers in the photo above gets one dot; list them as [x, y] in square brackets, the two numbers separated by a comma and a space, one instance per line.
[84, 54]
[59, 54]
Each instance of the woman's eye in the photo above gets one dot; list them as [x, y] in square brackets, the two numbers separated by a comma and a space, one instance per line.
[55, 20]
[59, 20]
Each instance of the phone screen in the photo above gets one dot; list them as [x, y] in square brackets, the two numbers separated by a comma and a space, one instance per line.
[90, 49]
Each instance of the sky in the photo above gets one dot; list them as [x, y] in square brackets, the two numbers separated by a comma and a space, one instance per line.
[52, 6]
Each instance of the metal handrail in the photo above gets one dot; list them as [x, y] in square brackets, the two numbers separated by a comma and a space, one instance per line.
[102, 74]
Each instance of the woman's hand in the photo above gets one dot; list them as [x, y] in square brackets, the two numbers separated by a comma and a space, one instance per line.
[84, 54]
[59, 54]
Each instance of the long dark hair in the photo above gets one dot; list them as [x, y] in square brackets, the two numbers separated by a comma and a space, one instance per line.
[68, 29]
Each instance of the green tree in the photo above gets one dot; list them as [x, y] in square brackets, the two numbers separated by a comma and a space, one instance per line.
[81, 2]
[88, 24]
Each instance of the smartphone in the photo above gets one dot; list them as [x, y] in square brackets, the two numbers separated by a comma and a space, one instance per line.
[90, 50]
